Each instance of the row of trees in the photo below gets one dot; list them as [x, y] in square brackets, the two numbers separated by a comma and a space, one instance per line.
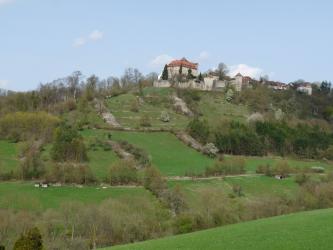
[263, 137]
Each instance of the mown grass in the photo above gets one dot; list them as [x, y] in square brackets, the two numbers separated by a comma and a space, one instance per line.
[167, 153]
[8, 156]
[307, 230]
[24, 196]
[121, 107]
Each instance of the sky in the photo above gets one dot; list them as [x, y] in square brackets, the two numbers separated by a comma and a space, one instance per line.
[42, 40]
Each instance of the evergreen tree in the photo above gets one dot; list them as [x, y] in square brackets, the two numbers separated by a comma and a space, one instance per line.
[32, 240]
[181, 70]
[189, 74]
[200, 78]
[165, 74]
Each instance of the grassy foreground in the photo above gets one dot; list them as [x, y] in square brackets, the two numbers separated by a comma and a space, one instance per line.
[24, 196]
[306, 230]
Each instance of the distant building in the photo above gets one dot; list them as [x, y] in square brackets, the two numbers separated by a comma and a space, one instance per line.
[305, 88]
[277, 85]
[184, 66]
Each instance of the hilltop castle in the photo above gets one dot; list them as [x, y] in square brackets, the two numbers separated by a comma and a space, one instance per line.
[184, 74]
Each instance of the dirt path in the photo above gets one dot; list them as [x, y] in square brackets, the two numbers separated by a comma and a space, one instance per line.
[186, 178]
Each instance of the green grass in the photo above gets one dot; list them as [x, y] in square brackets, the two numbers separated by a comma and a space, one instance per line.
[251, 186]
[120, 107]
[24, 196]
[252, 162]
[306, 230]
[214, 108]
[8, 156]
[170, 155]
[100, 160]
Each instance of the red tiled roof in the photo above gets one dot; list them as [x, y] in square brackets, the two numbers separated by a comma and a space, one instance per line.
[183, 62]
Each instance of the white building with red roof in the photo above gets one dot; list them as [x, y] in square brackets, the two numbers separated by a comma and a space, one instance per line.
[182, 66]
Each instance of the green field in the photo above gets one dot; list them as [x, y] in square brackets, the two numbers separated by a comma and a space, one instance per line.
[214, 108]
[251, 186]
[167, 153]
[8, 156]
[24, 196]
[120, 107]
[251, 162]
[307, 230]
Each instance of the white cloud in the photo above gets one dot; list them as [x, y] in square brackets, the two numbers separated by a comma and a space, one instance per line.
[4, 2]
[245, 70]
[79, 42]
[204, 55]
[160, 60]
[96, 35]
[93, 36]
[3, 83]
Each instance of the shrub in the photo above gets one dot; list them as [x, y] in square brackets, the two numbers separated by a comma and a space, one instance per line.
[302, 178]
[226, 167]
[70, 173]
[32, 240]
[265, 169]
[283, 169]
[22, 126]
[210, 150]
[145, 121]
[165, 116]
[68, 145]
[154, 181]
[123, 172]
[198, 129]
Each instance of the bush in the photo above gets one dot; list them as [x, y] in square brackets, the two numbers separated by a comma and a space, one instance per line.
[265, 169]
[199, 130]
[22, 126]
[210, 150]
[226, 167]
[165, 116]
[139, 154]
[123, 172]
[154, 181]
[32, 240]
[70, 173]
[145, 121]
[68, 145]
[283, 169]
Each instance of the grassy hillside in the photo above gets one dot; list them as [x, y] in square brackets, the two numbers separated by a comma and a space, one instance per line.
[167, 153]
[252, 162]
[24, 196]
[8, 156]
[307, 230]
[155, 101]
[214, 108]
[251, 186]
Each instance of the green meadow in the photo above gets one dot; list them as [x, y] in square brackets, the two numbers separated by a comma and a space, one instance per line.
[307, 230]
[8, 156]
[122, 108]
[170, 155]
[24, 196]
